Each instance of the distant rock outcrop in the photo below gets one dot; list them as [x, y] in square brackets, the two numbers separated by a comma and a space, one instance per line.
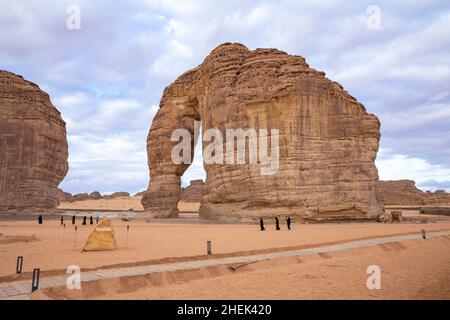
[33, 146]
[405, 193]
[193, 192]
[79, 197]
[400, 192]
[116, 195]
[95, 195]
[63, 196]
[439, 198]
[327, 140]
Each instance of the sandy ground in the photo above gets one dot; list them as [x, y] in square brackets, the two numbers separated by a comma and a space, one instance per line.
[415, 269]
[120, 203]
[53, 248]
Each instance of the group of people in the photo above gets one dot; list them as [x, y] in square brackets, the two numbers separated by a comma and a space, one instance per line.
[91, 219]
[277, 224]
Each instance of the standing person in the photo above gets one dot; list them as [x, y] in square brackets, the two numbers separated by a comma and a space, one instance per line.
[84, 220]
[62, 220]
[73, 219]
[97, 217]
[261, 224]
[40, 219]
[277, 223]
[91, 221]
[288, 222]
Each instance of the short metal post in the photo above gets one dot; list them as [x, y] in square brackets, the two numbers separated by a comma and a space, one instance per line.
[424, 235]
[35, 281]
[128, 230]
[75, 238]
[19, 265]
[208, 247]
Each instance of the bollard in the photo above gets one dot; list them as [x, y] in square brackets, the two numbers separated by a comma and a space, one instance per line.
[208, 247]
[75, 237]
[128, 229]
[19, 265]
[424, 235]
[35, 281]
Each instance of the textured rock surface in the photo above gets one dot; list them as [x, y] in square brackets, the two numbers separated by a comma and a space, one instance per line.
[95, 195]
[63, 196]
[439, 198]
[400, 192]
[117, 195]
[327, 144]
[193, 192]
[33, 146]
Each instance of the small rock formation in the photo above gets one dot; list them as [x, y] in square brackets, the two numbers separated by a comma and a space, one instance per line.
[327, 140]
[439, 198]
[117, 195]
[63, 196]
[400, 192]
[79, 197]
[95, 195]
[385, 217]
[396, 216]
[193, 192]
[140, 194]
[33, 146]
[102, 238]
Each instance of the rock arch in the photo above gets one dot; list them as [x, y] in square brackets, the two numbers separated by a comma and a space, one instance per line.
[327, 147]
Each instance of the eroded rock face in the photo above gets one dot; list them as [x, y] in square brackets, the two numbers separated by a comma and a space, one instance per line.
[63, 196]
[327, 140]
[193, 192]
[33, 146]
[400, 192]
[439, 198]
[117, 195]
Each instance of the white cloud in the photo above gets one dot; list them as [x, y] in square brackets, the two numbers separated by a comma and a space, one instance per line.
[399, 166]
[70, 100]
[108, 77]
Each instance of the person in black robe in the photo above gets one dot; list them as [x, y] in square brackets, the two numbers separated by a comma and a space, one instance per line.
[62, 220]
[261, 224]
[84, 220]
[73, 219]
[288, 222]
[277, 223]
[40, 219]
[91, 220]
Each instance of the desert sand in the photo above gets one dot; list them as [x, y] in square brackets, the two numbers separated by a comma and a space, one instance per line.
[422, 268]
[120, 204]
[409, 270]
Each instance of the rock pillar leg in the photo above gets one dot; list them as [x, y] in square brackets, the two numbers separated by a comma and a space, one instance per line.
[163, 194]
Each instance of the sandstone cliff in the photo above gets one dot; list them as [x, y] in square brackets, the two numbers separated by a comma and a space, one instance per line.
[33, 146]
[400, 192]
[193, 192]
[327, 140]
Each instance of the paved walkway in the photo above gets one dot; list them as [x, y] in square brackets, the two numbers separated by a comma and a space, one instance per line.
[21, 289]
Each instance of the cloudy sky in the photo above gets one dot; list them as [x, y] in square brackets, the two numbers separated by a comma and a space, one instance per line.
[107, 76]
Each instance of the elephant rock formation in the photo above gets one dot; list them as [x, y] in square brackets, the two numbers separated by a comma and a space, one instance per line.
[327, 140]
